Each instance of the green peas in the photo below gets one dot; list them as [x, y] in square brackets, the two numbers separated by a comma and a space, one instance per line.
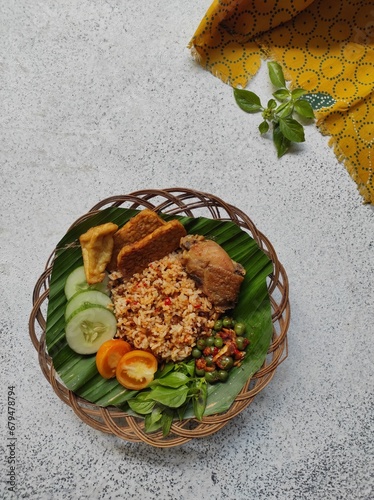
[226, 362]
[223, 375]
[209, 341]
[241, 343]
[218, 341]
[227, 322]
[196, 353]
[209, 360]
[200, 344]
[209, 347]
[211, 377]
[218, 325]
[239, 328]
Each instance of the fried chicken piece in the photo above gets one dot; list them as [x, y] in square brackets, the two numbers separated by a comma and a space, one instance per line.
[212, 268]
[97, 247]
[162, 241]
[139, 226]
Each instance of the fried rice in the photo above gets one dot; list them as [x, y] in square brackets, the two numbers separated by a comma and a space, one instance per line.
[162, 309]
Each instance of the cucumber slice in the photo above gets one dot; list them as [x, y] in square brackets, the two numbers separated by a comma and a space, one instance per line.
[76, 282]
[89, 327]
[94, 297]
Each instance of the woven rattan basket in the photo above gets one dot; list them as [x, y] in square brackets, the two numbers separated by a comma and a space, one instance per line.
[175, 201]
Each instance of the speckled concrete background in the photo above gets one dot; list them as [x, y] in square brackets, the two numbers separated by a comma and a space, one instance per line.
[100, 98]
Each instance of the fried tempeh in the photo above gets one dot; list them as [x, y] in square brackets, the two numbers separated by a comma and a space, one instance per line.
[162, 241]
[97, 247]
[134, 230]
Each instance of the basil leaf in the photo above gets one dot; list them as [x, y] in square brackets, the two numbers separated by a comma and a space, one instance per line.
[282, 144]
[174, 379]
[199, 401]
[276, 74]
[181, 410]
[169, 396]
[166, 421]
[285, 128]
[303, 108]
[284, 109]
[291, 129]
[187, 368]
[263, 127]
[165, 370]
[141, 407]
[297, 93]
[153, 421]
[248, 101]
[281, 94]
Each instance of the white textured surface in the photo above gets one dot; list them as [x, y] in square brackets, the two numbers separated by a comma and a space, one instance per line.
[101, 98]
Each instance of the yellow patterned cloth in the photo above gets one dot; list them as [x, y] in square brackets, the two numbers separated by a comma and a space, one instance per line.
[323, 46]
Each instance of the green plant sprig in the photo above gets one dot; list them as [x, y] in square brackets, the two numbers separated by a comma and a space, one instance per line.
[169, 395]
[286, 129]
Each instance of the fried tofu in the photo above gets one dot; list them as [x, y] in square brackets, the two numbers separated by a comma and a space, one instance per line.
[97, 246]
[134, 230]
[162, 241]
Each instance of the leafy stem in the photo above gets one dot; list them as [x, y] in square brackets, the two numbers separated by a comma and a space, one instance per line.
[279, 111]
[169, 395]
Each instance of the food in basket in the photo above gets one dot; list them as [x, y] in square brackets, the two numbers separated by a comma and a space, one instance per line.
[218, 275]
[89, 317]
[97, 246]
[166, 293]
[136, 369]
[88, 296]
[217, 354]
[108, 356]
[162, 241]
[134, 230]
[76, 282]
[162, 309]
[88, 327]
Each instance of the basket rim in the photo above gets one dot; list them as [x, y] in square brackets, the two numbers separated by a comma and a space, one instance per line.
[112, 420]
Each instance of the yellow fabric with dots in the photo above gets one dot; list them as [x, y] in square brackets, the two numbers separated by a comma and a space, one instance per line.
[323, 46]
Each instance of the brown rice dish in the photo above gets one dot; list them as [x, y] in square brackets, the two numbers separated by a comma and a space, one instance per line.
[162, 309]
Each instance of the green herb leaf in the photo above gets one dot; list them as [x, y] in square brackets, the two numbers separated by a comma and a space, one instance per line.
[153, 421]
[304, 108]
[285, 109]
[276, 75]
[169, 396]
[297, 93]
[272, 104]
[174, 379]
[199, 401]
[281, 142]
[263, 127]
[166, 421]
[248, 101]
[282, 94]
[181, 410]
[140, 404]
[186, 368]
[291, 129]
[165, 370]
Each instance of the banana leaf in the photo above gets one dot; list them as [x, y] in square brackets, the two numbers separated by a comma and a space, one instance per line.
[79, 373]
